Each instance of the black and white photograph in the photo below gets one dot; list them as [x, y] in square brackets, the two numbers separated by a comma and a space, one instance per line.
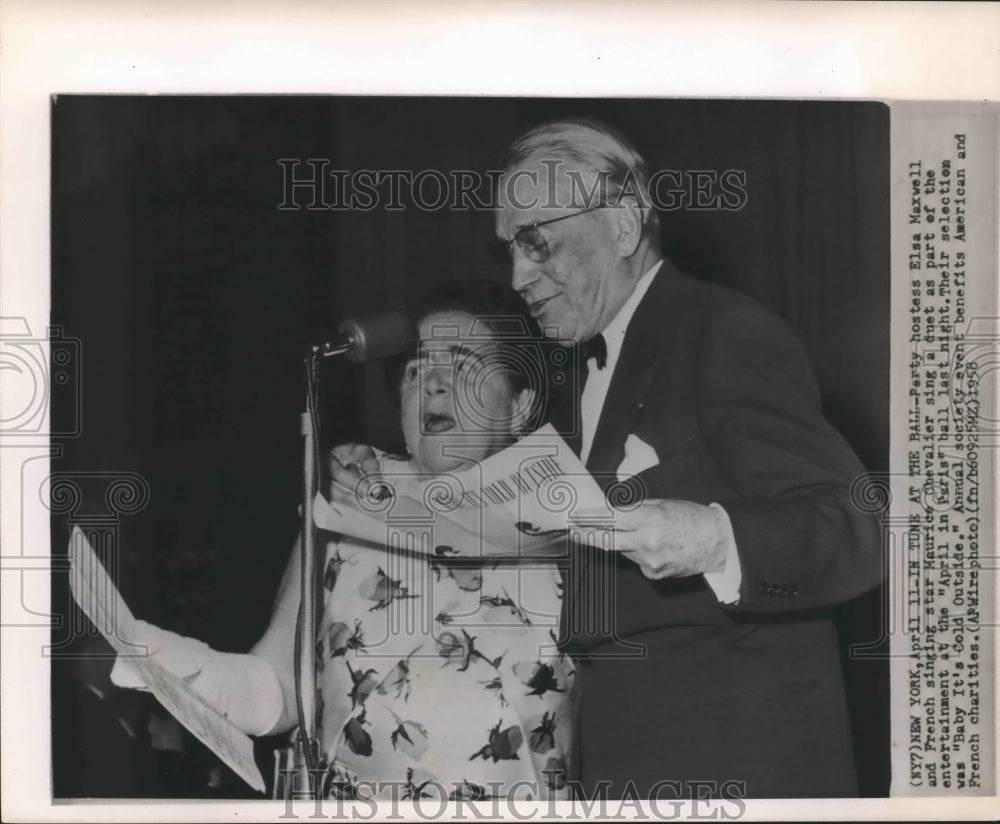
[201, 245]
[514, 451]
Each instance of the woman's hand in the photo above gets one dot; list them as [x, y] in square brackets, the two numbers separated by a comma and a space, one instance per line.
[241, 687]
[177, 654]
[354, 473]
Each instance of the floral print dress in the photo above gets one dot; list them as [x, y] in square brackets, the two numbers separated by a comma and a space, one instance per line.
[437, 679]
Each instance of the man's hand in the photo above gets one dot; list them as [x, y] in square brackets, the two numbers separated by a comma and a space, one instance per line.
[665, 538]
[353, 470]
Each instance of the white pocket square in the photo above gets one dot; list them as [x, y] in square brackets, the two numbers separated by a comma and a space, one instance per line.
[639, 456]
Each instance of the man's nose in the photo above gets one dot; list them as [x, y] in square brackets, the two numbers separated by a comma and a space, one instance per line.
[523, 272]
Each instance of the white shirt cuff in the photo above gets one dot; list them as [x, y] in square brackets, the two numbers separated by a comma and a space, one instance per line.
[726, 584]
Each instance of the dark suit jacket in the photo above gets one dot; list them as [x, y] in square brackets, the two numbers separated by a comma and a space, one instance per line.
[676, 687]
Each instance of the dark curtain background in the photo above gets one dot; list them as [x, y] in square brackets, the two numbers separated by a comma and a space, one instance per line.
[192, 295]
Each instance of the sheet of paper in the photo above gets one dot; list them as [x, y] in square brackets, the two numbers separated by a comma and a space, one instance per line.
[514, 505]
[100, 600]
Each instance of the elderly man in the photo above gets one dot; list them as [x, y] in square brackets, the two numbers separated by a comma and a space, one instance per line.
[708, 648]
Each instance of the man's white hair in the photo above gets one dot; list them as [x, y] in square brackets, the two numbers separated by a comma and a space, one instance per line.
[587, 146]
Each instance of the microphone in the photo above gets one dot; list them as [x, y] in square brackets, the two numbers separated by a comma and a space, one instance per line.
[370, 336]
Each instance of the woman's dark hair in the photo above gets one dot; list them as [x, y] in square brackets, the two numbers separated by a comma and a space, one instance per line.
[526, 355]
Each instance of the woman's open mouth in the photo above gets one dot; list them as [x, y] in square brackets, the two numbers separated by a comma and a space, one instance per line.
[437, 422]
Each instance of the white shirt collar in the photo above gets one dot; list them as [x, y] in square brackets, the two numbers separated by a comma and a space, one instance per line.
[614, 333]
[599, 380]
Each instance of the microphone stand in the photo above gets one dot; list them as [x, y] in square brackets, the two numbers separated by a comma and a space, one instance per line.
[297, 768]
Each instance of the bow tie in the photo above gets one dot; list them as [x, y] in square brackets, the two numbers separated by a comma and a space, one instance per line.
[595, 348]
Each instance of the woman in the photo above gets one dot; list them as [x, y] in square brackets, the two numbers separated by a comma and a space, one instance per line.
[432, 679]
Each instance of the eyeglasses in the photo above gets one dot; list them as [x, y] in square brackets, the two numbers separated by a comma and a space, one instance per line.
[530, 241]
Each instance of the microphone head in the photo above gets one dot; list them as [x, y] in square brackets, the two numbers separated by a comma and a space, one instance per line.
[379, 335]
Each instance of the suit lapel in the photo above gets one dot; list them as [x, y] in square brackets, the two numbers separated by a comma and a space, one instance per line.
[632, 379]
[629, 386]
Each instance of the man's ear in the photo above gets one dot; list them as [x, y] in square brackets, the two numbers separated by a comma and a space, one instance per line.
[630, 219]
[524, 403]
